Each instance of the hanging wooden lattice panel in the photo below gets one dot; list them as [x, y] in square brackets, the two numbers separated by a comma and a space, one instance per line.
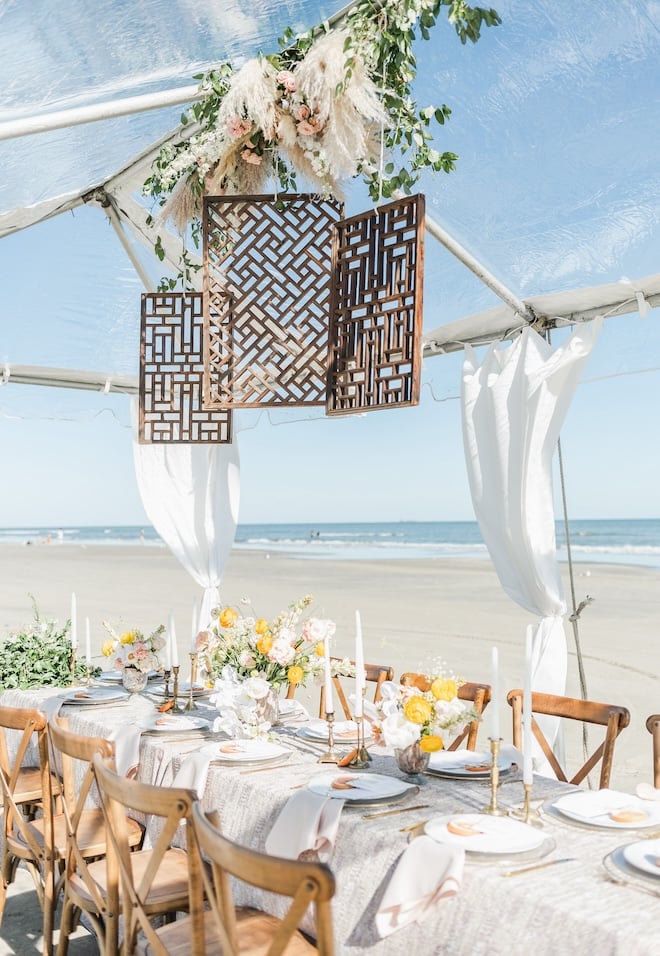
[375, 358]
[267, 268]
[171, 373]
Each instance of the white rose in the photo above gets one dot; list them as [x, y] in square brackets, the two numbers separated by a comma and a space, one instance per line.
[282, 652]
[247, 659]
[399, 732]
[317, 629]
[256, 687]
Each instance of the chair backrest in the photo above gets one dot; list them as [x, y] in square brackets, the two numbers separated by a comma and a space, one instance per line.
[305, 884]
[28, 724]
[477, 694]
[611, 716]
[131, 876]
[653, 727]
[375, 674]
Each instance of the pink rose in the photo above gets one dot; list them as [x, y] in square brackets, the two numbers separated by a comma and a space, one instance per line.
[302, 113]
[286, 79]
[282, 652]
[237, 127]
[306, 128]
[251, 157]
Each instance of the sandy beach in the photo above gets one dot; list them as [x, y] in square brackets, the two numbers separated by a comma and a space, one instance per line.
[413, 611]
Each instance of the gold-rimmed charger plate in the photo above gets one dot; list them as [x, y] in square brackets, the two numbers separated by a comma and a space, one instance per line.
[620, 871]
[367, 790]
[550, 810]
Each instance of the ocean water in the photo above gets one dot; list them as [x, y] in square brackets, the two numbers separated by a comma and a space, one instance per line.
[634, 542]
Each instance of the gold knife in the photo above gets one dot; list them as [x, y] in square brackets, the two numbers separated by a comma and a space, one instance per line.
[387, 813]
[538, 866]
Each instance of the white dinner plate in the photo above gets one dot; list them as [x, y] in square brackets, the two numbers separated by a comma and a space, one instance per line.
[358, 787]
[115, 677]
[91, 696]
[602, 808]
[171, 723]
[644, 855]
[290, 709]
[248, 749]
[345, 731]
[199, 690]
[465, 764]
[482, 833]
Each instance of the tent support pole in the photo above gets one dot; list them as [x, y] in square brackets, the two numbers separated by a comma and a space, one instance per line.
[115, 222]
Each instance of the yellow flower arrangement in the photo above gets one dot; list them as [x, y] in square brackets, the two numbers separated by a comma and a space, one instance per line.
[409, 715]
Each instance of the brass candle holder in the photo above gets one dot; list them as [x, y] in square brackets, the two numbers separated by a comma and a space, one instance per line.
[167, 672]
[73, 681]
[176, 707]
[190, 703]
[88, 674]
[527, 813]
[492, 807]
[331, 755]
[362, 757]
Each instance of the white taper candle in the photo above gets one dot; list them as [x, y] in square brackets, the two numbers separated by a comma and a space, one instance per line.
[495, 697]
[359, 665]
[329, 701]
[527, 709]
[74, 621]
[88, 644]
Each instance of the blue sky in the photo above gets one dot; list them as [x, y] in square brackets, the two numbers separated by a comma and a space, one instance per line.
[558, 186]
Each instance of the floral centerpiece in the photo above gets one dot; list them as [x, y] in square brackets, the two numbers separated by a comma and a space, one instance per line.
[248, 659]
[134, 653]
[417, 722]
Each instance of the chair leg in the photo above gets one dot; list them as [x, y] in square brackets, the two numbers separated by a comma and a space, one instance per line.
[49, 904]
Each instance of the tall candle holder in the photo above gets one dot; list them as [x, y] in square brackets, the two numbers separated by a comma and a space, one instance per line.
[362, 756]
[527, 813]
[492, 807]
[175, 688]
[190, 703]
[167, 672]
[88, 674]
[73, 680]
[331, 755]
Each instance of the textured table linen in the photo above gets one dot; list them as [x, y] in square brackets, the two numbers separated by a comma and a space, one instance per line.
[572, 908]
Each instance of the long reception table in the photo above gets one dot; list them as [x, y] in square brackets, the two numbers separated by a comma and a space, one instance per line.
[572, 908]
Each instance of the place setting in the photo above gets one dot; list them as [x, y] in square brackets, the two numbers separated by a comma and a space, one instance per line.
[93, 696]
[248, 753]
[467, 764]
[603, 810]
[638, 862]
[362, 789]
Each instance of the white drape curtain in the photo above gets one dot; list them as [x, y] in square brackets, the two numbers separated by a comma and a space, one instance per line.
[191, 496]
[513, 407]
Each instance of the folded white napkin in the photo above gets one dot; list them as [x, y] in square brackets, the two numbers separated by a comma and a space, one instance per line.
[193, 773]
[591, 804]
[425, 873]
[307, 823]
[126, 739]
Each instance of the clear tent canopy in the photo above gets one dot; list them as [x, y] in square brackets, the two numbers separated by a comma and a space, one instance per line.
[556, 191]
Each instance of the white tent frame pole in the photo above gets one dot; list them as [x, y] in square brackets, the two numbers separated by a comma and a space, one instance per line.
[77, 116]
[480, 271]
[116, 224]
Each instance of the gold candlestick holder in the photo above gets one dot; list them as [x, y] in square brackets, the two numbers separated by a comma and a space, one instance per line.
[492, 807]
[527, 813]
[88, 674]
[362, 756]
[167, 672]
[190, 703]
[175, 689]
[73, 680]
[331, 755]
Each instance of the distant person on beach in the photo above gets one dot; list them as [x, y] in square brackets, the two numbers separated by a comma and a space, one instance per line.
[141, 535]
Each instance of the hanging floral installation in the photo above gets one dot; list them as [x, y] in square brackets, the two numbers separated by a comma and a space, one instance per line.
[333, 104]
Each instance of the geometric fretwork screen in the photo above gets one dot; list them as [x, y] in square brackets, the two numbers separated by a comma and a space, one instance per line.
[376, 317]
[267, 269]
[171, 373]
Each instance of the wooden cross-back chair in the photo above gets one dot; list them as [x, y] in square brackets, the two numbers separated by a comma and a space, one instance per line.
[85, 832]
[24, 838]
[375, 674]
[245, 930]
[477, 694]
[159, 881]
[653, 727]
[611, 716]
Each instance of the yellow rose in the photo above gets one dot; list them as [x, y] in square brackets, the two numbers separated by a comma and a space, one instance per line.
[228, 617]
[108, 648]
[128, 637]
[320, 649]
[431, 743]
[418, 710]
[444, 688]
[265, 643]
[295, 674]
[262, 626]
